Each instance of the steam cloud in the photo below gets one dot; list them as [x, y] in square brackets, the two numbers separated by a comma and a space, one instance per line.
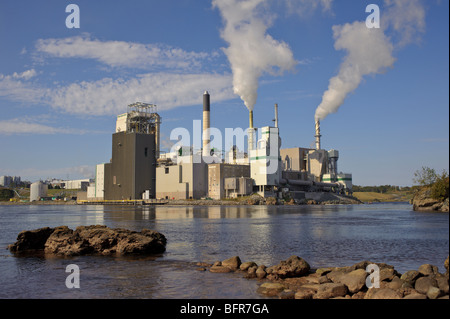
[369, 51]
[251, 50]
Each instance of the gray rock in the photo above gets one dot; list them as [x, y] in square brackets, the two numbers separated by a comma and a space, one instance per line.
[233, 263]
[292, 267]
[271, 289]
[428, 270]
[305, 293]
[245, 266]
[442, 282]
[354, 280]
[410, 276]
[382, 293]
[260, 272]
[31, 240]
[423, 284]
[434, 293]
[287, 294]
[335, 275]
[251, 272]
[331, 290]
[446, 265]
[415, 296]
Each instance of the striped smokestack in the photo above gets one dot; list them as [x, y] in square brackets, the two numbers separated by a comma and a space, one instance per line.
[318, 136]
[206, 124]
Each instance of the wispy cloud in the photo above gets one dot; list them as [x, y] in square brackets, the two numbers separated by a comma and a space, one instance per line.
[306, 7]
[123, 54]
[24, 126]
[32, 174]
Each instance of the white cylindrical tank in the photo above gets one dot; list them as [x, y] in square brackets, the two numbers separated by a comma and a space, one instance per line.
[38, 190]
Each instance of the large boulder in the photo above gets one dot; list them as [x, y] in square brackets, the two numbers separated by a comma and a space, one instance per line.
[29, 240]
[292, 267]
[84, 240]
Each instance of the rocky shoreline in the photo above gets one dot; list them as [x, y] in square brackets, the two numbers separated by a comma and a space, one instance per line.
[294, 279]
[311, 199]
[424, 202]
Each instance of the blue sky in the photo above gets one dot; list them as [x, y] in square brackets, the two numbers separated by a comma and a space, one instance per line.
[61, 89]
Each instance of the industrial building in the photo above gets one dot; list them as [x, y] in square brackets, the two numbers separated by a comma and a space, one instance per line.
[139, 170]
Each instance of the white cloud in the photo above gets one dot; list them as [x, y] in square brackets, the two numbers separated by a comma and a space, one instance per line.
[33, 174]
[111, 96]
[15, 88]
[123, 54]
[406, 18]
[26, 125]
[26, 75]
[306, 7]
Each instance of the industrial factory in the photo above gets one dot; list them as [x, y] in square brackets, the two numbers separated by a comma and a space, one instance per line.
[139, 170]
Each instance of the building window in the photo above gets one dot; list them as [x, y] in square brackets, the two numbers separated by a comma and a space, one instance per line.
[166, 170]
[146, 152]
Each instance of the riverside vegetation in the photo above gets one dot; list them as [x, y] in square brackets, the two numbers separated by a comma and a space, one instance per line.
[433, 192]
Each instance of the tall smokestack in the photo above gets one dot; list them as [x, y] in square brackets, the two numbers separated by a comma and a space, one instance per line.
[318, 136]
[251, 133]
[206, 124]
[276, 115]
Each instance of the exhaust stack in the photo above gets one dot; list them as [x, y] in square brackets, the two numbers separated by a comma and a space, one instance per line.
[318, 136]
[251, 134]
[276, 115]
[206, 124]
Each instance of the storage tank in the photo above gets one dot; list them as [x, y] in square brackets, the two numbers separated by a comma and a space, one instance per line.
[38, 190]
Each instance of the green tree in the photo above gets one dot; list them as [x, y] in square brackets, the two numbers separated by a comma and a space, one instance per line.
[425, 177]
[440, 188]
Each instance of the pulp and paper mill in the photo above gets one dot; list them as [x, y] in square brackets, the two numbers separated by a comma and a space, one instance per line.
[139, 170]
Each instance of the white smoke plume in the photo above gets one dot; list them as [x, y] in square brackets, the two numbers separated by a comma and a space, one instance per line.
[251, 50]
[370, 51]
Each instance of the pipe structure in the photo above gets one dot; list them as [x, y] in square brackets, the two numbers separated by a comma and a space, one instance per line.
[206, 124]
[318, 136]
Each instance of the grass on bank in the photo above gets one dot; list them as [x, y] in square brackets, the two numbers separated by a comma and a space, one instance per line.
[398, 196]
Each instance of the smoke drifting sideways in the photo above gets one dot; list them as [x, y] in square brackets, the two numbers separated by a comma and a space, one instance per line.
[251, 52]
[370, 51]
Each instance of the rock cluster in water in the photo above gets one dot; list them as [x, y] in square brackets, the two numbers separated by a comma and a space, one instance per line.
[86, 240]
[294, 279]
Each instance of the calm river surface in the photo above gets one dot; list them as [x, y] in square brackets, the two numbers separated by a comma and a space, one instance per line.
[322, 235]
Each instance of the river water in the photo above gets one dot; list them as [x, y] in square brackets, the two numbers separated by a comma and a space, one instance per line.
[322, 235]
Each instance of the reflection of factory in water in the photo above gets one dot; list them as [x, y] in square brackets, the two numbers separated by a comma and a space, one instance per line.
[139, 170]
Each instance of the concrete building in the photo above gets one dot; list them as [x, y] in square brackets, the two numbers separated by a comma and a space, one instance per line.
[218, 173]
[265, 162]
[81, 184]
[185, 180]
[132, 169]
[294, 159]
[38, 190]
[135, 145]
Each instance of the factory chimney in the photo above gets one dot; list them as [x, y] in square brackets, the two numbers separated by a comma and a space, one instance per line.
[318, 136]
[206, 124]
[276, 115]
[251, 134]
